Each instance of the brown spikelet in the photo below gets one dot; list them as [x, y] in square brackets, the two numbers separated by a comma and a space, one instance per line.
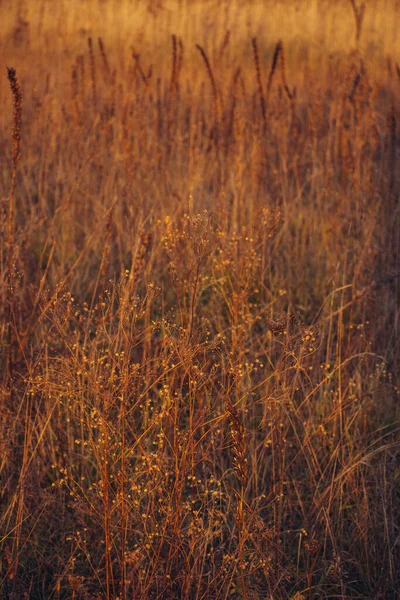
[17, 103]
[180, 59]
[92, 69]
[354, 87]
[225, 43]
[104, 57]
[258, 73]
[174, 63]
[283, 73]
[273, 66]
[74, 80]
[211, 77]
[81, 70]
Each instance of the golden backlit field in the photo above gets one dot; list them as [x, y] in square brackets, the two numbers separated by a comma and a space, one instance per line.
[199, 314]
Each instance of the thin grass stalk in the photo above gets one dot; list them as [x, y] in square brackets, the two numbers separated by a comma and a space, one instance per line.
[123, 500]
[392, 150]
[15, 156]
[106, 501]
[241, 471]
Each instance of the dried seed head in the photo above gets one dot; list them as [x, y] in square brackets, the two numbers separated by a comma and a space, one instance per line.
[17, 97]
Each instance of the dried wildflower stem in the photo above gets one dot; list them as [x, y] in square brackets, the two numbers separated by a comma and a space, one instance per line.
[106, 500]
[123, 499]
[15, 156]
[193, 302]
[241, 472]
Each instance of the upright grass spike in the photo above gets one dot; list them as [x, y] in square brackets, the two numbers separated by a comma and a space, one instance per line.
[92, 70]
[172, 85]
[104, 57]
[211, 77]
[273, 66]
[258, 73]
[15, 156]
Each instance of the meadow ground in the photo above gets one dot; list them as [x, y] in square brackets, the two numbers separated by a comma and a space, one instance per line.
[199, 316]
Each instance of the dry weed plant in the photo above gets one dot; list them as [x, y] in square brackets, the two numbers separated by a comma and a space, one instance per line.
[199, 320]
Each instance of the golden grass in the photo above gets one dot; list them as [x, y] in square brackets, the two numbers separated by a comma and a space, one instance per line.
[199, 244]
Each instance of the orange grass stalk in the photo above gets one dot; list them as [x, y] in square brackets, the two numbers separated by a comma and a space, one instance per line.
[240, 466]
[15, 156]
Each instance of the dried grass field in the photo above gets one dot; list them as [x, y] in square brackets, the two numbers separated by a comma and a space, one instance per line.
[199, 313]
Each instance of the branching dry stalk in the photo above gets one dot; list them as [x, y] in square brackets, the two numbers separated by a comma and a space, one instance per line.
[359, 13]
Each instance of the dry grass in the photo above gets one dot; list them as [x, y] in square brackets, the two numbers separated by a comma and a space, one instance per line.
[199, 317]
